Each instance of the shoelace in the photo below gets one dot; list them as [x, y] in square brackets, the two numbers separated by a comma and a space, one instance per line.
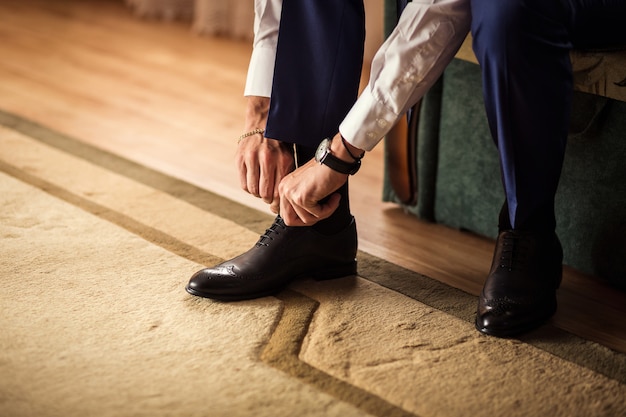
[274, 229]
[514, 252]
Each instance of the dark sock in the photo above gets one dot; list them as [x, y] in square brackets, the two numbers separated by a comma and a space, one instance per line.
[542, 220]
[503, 221]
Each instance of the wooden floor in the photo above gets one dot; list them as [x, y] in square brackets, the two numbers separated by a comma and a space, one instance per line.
[157, 94]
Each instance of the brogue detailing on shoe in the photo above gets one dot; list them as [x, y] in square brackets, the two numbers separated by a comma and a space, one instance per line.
[499, 307]
[514, 256]
[502, 306]
[228, 270]
[274, 230]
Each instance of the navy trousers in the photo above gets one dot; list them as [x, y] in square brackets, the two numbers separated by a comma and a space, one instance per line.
[523, 48]
[319, 59]
[318, 69]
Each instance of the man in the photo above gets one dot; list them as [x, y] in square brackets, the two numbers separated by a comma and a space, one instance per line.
[523, 49]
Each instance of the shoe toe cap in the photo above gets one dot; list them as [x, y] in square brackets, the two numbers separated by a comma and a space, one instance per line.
[512, 319]
[495, 324]
[209, 281]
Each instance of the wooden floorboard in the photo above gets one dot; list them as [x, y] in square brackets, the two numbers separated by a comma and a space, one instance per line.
[157, 94]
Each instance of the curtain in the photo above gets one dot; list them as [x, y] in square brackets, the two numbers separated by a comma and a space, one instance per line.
[229, 18]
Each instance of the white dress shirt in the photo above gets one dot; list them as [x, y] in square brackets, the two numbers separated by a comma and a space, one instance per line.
[412, 58]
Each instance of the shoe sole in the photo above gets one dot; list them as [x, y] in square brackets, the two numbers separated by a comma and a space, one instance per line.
[321, 275]
[333, 273]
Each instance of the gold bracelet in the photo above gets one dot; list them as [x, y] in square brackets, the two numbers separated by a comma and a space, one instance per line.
[251, 133]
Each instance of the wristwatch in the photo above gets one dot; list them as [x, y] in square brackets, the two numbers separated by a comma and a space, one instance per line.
[323, 156]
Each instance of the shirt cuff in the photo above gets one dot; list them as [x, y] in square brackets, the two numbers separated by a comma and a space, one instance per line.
[260, 72]
[367, 122]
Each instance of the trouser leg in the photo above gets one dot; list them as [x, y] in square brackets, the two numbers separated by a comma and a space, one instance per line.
[316, 79]
[318, 67]
[523, 48]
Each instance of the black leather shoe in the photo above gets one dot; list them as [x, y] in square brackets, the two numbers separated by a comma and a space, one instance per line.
[520, 291]
[282, 255]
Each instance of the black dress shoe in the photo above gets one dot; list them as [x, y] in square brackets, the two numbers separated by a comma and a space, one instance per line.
[520, 291]
[282, 255]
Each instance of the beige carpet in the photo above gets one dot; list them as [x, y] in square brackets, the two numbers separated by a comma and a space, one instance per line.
[94, 319]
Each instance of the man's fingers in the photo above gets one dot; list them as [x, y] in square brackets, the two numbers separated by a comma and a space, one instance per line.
[252, 181]
[269, 190]
[243, 177]
[290, 217]
[275, 206]
[267, 182]
[308, 215]
[249, 173]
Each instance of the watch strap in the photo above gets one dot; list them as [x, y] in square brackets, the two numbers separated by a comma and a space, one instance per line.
[341, 166]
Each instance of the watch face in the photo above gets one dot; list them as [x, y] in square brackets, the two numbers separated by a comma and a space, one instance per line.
[322, 150]
[323, 156]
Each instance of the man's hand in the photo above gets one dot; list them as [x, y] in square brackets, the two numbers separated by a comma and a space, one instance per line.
[302, 194]
[262, 162]
[307, 195]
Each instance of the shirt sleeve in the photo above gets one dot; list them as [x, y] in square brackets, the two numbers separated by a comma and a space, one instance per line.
[261, 67]
[408, 63]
